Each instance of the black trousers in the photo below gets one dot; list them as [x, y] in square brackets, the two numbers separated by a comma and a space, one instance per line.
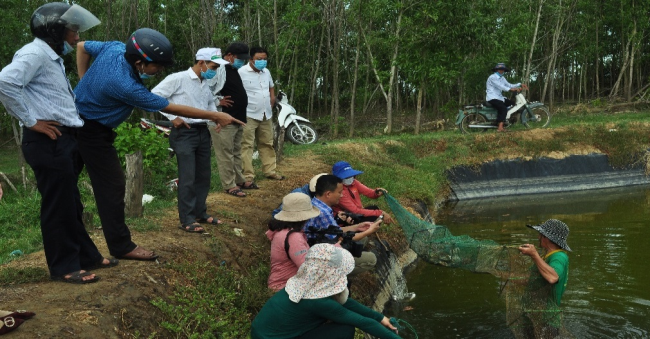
[502, 108]
[109, 185]
[192, 148]
[68, 247]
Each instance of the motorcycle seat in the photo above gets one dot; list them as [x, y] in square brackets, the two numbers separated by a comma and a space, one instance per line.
[487, 104]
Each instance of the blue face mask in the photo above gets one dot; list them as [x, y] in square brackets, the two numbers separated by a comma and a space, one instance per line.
[208, 74]
[66, 48]
[260, 64]
[238, 63]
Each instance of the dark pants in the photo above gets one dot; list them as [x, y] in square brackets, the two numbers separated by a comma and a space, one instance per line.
[192, 148]
[107, 178]
[68, 248]
[330, 331]
[502, 108]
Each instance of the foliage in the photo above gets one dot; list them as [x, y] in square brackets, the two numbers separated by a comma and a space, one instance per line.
[214, 301]
[19, 217]
[159, 166]
[23, 275]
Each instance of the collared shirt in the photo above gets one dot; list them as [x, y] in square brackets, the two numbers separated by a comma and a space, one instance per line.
[496, 84]
[257, 85]
[324, 220]
[34, 86]
[186, 88]
[111, 88]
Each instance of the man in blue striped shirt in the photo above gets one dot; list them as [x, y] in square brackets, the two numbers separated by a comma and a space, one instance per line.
[35, 90]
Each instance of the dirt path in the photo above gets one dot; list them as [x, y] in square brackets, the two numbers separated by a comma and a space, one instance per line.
[119, 305]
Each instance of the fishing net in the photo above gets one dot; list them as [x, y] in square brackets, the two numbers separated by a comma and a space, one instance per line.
[531, 311]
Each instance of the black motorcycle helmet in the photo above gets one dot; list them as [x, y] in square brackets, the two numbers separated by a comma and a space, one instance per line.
[49, 22]
[150, 46]
[47, 25]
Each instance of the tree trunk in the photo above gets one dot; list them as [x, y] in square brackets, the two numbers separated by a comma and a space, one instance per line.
[532, 44]
[134, 185]
[418, 115]
[354, 86]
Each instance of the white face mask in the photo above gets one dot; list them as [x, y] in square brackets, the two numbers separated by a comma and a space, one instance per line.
[348, 181]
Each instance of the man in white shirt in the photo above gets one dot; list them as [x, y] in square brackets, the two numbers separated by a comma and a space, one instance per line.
[190, 137]
[496, 84]
[261, 98]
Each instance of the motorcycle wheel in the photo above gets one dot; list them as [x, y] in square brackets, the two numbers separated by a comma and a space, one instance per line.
[293, 133]
[472, 119]
[538, 117]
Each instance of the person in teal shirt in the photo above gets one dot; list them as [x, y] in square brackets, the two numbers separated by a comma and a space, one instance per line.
[315, 304]
[553, 269]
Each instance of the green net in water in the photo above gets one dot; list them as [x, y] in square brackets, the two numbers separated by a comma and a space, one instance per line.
[531, 311]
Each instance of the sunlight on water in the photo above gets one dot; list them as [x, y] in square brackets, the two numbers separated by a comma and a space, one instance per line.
[606, 295]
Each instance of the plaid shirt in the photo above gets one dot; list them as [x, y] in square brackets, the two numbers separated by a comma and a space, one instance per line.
[322, 221]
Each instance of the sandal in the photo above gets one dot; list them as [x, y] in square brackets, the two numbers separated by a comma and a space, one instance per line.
[8, 324]
[207, 220]
[236, 191]
[139, 253]
[275, 176]
[21, 314]
[76, 278]
[111, 263]
[192, 228]
[251, 186]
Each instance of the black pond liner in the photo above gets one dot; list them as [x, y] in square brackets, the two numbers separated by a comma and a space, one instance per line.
[543, 175]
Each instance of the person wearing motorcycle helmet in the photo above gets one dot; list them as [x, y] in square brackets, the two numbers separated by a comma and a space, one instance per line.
[107, 93]
[496, 84]
[35, 90]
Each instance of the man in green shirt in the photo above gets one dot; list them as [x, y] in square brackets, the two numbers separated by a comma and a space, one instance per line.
[553, 267]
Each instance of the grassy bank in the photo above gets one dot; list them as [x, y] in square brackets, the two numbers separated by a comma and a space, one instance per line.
[410, 167]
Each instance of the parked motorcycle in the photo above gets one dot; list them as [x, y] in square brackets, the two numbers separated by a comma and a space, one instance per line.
[480, 118]
[297, 129]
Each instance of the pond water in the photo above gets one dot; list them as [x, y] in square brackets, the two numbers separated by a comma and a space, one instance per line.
[607, 294]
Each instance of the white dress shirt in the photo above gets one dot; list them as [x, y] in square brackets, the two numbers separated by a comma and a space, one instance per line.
[496, 84]
[186, 88]
[34, 86]
[257, 85]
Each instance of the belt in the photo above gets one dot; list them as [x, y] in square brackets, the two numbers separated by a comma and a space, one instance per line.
[62, 129]
[67, 130]
[199, 124]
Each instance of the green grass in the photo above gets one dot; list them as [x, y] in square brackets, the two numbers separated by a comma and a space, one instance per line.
[213, 301]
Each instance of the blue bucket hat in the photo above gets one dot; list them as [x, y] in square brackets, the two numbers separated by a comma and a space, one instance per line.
[344, 170]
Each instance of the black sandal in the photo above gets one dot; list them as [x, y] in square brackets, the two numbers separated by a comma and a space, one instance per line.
[111, 263]
[237, 192]
[192, 228]
[214, 221]
[76, 278]
[251, 186]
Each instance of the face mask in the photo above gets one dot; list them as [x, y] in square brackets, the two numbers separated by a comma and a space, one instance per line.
[66, 48]
[209, 73]
[238, 63]
[260, 64]
[143, 75]
[500, 75]
[348, 181]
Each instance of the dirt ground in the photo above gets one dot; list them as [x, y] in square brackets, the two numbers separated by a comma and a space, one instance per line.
[119, 305]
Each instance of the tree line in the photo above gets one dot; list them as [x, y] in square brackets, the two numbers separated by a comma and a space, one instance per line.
[339, 60]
